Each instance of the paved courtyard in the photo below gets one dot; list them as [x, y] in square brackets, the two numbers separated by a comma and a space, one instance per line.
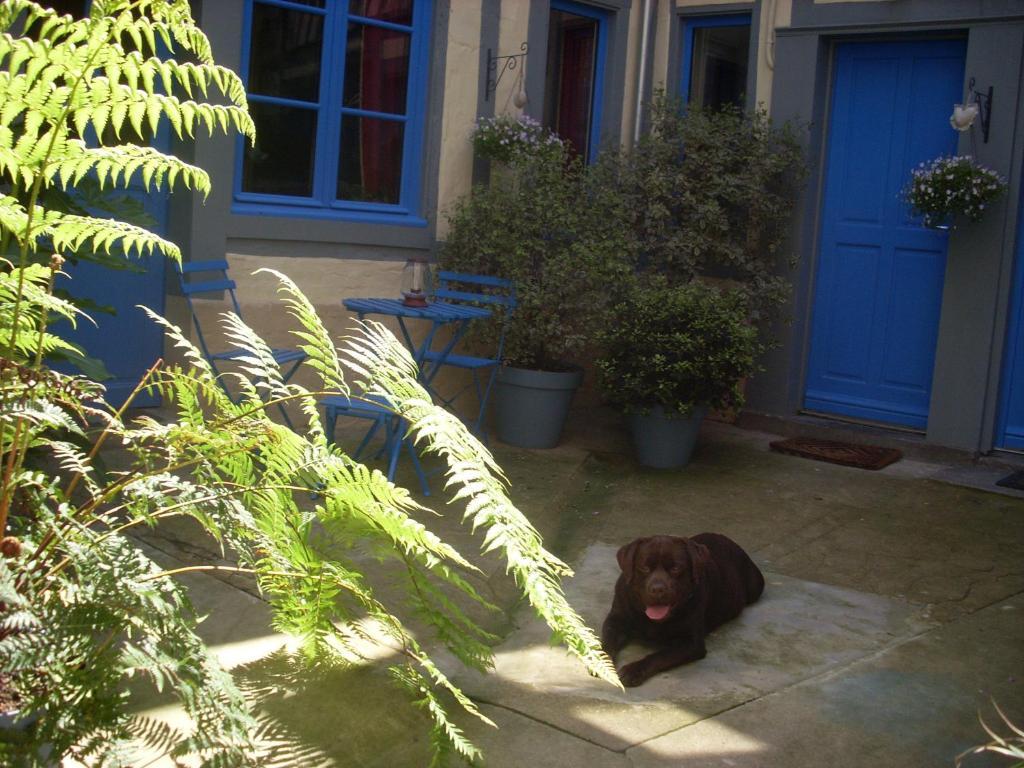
[893, 613]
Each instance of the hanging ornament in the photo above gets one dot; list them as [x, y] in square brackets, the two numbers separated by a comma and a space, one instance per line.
[520, 98]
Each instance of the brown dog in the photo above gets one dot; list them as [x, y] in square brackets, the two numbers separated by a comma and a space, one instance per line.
[674, 591]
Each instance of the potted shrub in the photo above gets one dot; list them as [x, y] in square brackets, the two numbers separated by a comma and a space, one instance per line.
[541, 224]
[676, 351]
[721, 209]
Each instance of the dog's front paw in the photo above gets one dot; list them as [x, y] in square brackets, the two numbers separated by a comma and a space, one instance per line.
[633, 674]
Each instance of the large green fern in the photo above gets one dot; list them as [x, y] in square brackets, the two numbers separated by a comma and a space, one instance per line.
[82, 608]
[68, 89]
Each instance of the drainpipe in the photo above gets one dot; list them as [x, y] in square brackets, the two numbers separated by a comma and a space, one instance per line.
[642, 71]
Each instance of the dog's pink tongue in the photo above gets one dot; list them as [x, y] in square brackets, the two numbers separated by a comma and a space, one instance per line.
[657, 612]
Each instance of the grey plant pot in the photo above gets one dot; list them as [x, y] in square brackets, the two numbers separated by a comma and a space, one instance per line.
[665, 441]
[531, 406]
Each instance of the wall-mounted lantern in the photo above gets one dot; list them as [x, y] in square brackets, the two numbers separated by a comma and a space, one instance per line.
[977, 107]
[963, 116]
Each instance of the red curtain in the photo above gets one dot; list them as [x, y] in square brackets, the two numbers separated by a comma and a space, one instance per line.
[384, 66]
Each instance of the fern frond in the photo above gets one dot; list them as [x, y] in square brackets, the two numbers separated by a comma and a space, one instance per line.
[377, 356]
[353, 492]
[322, 356]
[310, 408]
[460, 634]
[70, 233]
[36, 306]
[445, 736]
[474, 474]
[192, 353]
[14, 218]
[118, 165]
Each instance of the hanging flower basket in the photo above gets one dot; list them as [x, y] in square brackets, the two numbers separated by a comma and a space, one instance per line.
[953, 187]
[507, 139]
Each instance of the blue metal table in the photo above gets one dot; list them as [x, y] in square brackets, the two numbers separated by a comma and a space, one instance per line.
[439, 314]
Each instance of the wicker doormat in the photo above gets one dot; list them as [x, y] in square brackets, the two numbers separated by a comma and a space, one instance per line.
[847, 454]
[1015, 481]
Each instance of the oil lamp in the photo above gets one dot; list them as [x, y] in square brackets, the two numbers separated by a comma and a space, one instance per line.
[416, 282]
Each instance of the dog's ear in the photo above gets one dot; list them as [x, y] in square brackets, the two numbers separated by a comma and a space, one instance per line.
[626, 557]
[700, 559]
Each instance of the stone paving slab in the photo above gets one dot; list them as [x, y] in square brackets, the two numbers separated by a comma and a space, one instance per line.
[849, 660]
[799, 629]
[519, 742]
[907, 707]
[307, 717]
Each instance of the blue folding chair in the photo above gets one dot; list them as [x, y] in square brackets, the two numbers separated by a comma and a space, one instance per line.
[493, 292]
[214, 284]
[383, 416]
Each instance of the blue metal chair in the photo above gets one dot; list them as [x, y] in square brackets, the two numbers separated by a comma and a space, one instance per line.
[376, 409]
[492, 292]
[214, 285]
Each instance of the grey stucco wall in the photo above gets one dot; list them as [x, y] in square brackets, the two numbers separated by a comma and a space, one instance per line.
[489, 18]
[980, 260]
[976, 293]
[802, 63]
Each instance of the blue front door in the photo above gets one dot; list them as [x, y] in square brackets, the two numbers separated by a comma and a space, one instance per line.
[127, 341]
[1010, 427]
[878, 290]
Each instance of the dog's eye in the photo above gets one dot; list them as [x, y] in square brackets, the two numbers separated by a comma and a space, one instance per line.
[675, 570]
[645, 569]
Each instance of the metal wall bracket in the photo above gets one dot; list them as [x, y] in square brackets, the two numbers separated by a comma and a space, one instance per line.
[984, 102]
[494, 75]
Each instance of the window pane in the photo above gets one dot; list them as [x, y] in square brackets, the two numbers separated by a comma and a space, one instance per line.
[281, 163]
[370, 168]
[376, 69]
[569, 90]
[395, 11]
[285, 59]
[718, 69]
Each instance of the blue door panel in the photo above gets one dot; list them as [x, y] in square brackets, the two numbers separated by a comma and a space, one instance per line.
[857, 137]
[908, 322]
[878, 290]
[934, 80]
[1010, 424]
[854, 276]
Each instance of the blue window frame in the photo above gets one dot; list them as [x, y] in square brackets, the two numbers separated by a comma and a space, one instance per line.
[337, 89]
[569, 71]
[717, 41]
